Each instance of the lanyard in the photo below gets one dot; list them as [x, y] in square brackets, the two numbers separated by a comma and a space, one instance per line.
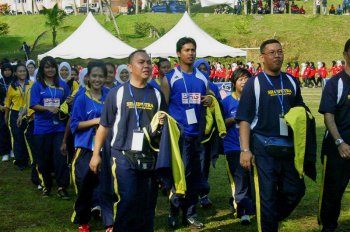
[3, 81]
[52, 95]
[93, 102]
[280, 98]
[22, 90]
[188, 95]
[137, 113]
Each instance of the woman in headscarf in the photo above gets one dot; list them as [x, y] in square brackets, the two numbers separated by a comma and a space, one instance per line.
[30, 64]
[65, 72]
[122, 74]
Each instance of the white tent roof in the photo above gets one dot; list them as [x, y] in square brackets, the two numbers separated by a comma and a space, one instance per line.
[206, 45]
[205, 3]
[90, 40]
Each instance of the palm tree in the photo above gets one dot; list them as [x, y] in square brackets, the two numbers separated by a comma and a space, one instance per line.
[54, 18]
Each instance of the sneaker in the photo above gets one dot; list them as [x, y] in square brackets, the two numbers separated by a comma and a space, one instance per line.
[96, 212]
[109, 229]
[12, 155]
[194, 223]
[40, 187]
[62, 193]
[245, 220]
[84, 228]
[205, 202]
[46, 193]
[5, 158]
[173, 221]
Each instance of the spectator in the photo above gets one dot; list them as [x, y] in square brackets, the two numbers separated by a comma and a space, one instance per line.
[332, 10]
[287, 6]
[249, 7]
[339, 10]
[26, 50]
[301, 11]
[318, 6]
[255, 6]
[324, 7]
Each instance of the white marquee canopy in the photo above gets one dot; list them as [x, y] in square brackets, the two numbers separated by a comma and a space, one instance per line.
[206, 45]
[90, 40]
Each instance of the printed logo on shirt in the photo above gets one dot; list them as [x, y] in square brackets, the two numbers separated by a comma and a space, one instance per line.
[286, 92]
[42, 93]
[89, 112]
[233, 113]
[140, 105]
[191, 98]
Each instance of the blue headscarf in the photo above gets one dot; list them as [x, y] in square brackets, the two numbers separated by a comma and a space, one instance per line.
[205, 62]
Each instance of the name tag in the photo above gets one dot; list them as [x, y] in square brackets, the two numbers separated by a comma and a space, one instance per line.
[52, 102]
[137, 140]
[191, 98]
[283, 127]
[191, 116]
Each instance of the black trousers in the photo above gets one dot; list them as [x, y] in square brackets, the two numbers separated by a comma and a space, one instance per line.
[5, 137]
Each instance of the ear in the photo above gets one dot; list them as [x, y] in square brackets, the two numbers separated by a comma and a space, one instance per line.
[130, 68]
[261, 58]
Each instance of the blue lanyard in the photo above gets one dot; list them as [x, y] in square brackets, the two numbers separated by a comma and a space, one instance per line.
[22, 90]
[280, 98]
[52, 95]
[137, 113]
[3, 81]
[188, 95]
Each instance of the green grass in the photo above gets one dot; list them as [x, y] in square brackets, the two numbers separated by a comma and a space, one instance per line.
[23, 209]
[304, 37]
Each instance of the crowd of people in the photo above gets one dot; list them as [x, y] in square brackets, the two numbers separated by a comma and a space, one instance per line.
[122, 131]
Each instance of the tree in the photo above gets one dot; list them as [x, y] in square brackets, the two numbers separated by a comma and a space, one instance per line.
[109, 15]
[54, 19]
[4, 28]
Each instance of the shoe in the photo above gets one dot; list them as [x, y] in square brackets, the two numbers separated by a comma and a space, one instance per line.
[62, 193]
[173, 221]
[12, 155]
[96, 212]
[205, 202]
[84, 228]
[40, 187]
[109, 229]
[245, 220]
[46, 193]
[5, 158]
[194, 223]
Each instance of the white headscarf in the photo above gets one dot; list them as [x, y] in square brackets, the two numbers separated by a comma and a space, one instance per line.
[65, 64]
[28, 62]
[82, 75]
[119, 70]
[319, 65]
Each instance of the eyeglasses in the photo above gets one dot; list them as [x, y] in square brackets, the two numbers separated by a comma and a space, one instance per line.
[273, 53]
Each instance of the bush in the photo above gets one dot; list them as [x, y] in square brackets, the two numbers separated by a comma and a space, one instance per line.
[4, 28]
[142, 28]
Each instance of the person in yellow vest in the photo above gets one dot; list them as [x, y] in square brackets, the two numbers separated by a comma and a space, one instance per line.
[15, 103]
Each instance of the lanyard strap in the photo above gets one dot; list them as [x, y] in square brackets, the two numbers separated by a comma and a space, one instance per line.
[137, 113]
[52, 95]
[188, 95]
[22, 90]
[280, 98]
[5, 85]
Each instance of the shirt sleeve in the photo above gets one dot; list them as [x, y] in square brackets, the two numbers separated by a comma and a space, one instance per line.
[109, 110]
[35, 98]
[79, 113]
[246, 107]
[328, 99]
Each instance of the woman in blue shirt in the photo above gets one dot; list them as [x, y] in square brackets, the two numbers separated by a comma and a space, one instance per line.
[84, 122]
[47, 94]
[239, 177]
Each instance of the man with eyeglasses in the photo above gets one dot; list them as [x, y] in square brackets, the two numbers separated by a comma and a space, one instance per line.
[265, 100]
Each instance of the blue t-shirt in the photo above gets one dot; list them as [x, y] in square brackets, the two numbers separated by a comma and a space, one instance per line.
[231, 140]
[265, 121]
[44, 121]
[154, 84]
[186, 91]
[338, 103]
[85, 108]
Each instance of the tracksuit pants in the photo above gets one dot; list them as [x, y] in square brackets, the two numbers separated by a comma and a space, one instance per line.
[28, 136]
[18, 141]
[240, 179]
[205, 160]
[85, 183]
[137, 196]
[191, 151]
[277, 185]
[335, 180]
[47, 147]
[5, 137]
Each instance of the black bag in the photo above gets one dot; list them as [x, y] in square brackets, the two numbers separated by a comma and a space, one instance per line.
[282, 147]
[141, 161]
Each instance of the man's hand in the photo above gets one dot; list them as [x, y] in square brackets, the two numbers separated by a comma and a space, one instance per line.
[63, 149]
[2, 108]
[95, 163]
[161, 118]
[207, 101]
[246, 159]
[344, 150]
[19, 121]
[53, 110]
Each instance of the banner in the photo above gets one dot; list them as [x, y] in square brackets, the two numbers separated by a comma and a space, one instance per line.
[225, 88]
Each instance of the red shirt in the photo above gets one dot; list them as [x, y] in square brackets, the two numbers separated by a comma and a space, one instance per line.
[290, 70]
[229, 73]
[296, 73]
[323, 72]
[334, 70]
[258, 70]
[212, 73]
[155, 71]
[312, 72]
[306, 72]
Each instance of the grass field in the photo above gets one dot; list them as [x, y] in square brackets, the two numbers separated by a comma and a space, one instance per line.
[23, 209]
[305, 37]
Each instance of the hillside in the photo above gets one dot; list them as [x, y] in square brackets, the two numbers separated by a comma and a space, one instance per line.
[305, 37]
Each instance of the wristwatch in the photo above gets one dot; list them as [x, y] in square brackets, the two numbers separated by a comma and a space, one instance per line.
[338, 142]
[245, 150]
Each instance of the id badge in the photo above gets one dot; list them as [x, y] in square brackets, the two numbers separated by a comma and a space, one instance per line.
[52, 102]
[283, 126]
[137, 140]
[191, 116]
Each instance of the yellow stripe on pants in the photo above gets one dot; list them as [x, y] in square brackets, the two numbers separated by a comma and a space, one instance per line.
[257, 198]
[115, 187]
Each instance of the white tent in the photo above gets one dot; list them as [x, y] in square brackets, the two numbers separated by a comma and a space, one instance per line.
[205, 3]
[206, 45]
[90, 40]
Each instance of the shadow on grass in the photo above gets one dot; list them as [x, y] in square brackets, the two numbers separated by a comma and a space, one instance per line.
[10, 41]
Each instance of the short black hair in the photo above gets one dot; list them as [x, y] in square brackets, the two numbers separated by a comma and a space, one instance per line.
[110, 64]
[50, 61]
[131, 56]
[347, 46]
[161, 60]
[185, 40]
[99, 64]
[267, 42]
[239, 73]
